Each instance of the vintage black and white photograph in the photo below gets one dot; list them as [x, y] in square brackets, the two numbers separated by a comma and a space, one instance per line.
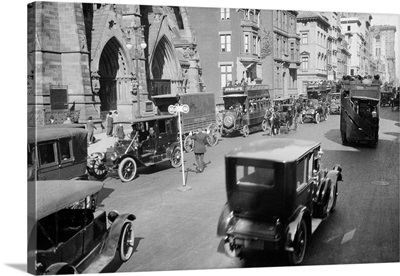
[224, 137]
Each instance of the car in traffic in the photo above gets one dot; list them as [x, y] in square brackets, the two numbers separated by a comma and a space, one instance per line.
[334, 103]
[126, 156]
[277, 194]
[67, 234]
[57, 152]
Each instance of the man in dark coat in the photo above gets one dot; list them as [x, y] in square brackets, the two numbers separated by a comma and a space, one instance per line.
[199, 148]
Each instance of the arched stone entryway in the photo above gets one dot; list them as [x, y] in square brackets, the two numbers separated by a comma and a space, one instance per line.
[113, 71]
[165, 66]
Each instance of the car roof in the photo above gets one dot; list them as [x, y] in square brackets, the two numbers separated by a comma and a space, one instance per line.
[143, 119]
[49, 196]
[277, 150]
[42, 134]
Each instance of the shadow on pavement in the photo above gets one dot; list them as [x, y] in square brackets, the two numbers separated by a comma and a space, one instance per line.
[103, 194]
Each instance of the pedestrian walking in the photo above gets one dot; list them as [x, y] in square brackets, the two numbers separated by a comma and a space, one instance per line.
[119, 132]
[90, 128]
[110, 121]
[199, 148]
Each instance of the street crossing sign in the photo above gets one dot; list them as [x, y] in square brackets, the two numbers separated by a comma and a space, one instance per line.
[174, 109]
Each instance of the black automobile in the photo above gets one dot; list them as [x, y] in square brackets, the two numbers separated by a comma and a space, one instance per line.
[160, 144]
[277, 194]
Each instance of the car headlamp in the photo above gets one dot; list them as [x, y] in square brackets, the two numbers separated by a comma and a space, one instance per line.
[114, 156]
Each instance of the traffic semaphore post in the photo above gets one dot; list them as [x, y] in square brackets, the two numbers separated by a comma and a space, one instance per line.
[178, 109]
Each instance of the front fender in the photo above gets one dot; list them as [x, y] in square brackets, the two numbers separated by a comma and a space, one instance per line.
[224, 220]
[171, 148]
[114, 233]
[292, 228]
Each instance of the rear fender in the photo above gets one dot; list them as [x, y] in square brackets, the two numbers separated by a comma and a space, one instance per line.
[224, 220]
[114, 233]
[292, 228]
[171, 148]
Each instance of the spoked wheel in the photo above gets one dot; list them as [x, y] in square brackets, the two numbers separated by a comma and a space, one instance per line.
[126, 242]
[127, 169]
[317, 118]
[188, 144]
[176, 160]
[296, 257]
[231, 250]
[264, 125]
[246, 130]
[214, 134]
[98, 170]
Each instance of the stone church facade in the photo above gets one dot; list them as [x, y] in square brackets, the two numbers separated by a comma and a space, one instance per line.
[89, 59]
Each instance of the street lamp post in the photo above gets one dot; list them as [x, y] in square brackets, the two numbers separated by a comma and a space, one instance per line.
[137, 55]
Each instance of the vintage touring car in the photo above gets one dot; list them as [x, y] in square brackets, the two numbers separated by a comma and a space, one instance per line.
[68, 235]
[125, 157]
[277, 194]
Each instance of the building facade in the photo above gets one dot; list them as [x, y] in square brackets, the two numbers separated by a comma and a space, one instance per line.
[250, 45]
[314, 29]
[89, 59]
[383, 49]
[281, 62]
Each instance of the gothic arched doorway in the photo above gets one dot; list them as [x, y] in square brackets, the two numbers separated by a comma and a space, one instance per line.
[112, 66]
[165, 68]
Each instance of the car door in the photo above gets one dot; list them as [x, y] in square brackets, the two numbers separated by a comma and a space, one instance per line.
[48, 167]
[68, 167]
[167, 134]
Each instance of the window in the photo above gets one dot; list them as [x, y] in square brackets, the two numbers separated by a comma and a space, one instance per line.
[47, 153]
[65, 149]
[226, 74]
[304, 62]
[254, 44]
[304, 38]
[301, 173]
[225, 14]
[225, 43]
[246, 43]
[292, 51]
[249, 175]
[349, 28]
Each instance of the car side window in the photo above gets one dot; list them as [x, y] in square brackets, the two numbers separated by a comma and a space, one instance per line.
[65, 149]
[310, 165]
[161, 126]
[47, 154]
[301, 173]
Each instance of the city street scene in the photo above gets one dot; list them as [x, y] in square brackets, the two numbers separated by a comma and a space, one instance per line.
[166, 138]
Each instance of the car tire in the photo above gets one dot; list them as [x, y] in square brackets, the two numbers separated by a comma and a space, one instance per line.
[98, 170]
[317, 118]
[188, 144]
[328, 202]
[176, 158]
[264, 125]
[126, 242]
[127, 169]
[296, 256]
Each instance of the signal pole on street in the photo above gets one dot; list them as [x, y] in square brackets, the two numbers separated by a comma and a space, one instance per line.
[178, 109]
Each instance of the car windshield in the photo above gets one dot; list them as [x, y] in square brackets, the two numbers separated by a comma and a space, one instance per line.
[251, 175]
